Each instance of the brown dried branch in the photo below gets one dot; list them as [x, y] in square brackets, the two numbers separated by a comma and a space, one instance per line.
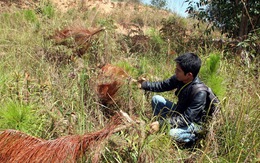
[17, 147]
[110, 79]
[12, 143]
[81, 37]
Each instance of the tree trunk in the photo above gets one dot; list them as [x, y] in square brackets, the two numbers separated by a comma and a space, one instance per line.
[243, 28]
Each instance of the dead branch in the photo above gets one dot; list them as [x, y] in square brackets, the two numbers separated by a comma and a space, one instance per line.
[78, 38]
[17, 147]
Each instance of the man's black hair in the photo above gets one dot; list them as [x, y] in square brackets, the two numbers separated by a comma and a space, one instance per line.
[189, 62]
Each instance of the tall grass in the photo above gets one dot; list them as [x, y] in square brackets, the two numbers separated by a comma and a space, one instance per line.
[49, 98]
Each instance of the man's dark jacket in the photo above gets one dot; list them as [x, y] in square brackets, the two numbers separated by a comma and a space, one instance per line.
[191, 109]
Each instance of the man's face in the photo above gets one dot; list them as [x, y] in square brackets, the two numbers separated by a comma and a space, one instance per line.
[181, 76]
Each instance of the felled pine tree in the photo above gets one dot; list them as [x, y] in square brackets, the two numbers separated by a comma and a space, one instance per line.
[111, 78]
[18, 147]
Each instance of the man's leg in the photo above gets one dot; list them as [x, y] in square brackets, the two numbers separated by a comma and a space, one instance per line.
[161, 106]
[185, 134]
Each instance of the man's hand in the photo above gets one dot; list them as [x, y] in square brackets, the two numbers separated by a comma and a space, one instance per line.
[139, 82]
[154, 127]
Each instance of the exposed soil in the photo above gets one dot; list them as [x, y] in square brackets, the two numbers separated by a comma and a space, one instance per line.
[63, 5]
[103, 6]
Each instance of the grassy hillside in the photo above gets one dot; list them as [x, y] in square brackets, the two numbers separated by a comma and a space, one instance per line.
[49, 89]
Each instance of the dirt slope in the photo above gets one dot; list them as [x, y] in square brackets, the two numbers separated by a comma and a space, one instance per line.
[63, 5]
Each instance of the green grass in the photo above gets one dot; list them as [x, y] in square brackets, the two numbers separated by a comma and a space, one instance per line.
[58, 97]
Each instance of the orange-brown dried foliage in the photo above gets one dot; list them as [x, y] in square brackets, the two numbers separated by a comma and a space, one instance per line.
[17, 147]
[81, 37]
[111, 78]
[112, 71]
[13, 142]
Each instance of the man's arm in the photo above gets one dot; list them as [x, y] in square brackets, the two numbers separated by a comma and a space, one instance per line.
[160, 86]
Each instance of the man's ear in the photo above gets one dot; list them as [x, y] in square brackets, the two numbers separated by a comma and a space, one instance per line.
[190, 74]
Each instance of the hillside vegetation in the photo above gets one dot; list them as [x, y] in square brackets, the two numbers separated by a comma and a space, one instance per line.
[49, 82]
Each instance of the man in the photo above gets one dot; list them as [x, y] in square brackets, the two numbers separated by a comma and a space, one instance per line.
[185, 117]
